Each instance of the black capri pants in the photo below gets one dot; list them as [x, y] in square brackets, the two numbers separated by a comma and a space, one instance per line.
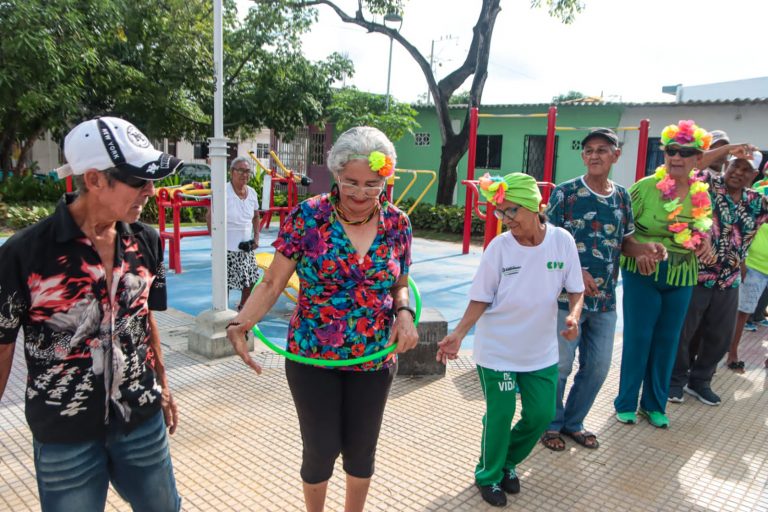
[340, 412]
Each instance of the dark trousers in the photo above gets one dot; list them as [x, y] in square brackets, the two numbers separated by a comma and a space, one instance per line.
[340, 412]
[705, 337]
[759, 314]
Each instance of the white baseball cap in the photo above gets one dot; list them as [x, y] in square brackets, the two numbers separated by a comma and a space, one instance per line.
[757, 157]
[107, 142]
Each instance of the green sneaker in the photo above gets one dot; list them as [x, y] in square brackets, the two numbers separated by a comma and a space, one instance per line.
[630, 418]
[655, 418]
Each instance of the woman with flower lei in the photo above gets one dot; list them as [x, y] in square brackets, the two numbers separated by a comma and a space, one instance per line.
[671, 207]
[351, 250]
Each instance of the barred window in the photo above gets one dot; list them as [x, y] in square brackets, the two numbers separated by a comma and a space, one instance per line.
[422, 138]
[262, 150]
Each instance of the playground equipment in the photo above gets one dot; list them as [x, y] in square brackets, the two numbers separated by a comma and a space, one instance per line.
[264, 260]
[176, 198]
[287, 177]
[472, 200]
[414, 177]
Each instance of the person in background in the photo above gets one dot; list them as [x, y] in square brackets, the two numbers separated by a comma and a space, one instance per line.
[738, 211]
[598, 214]
[717, 164]
[755, 276]
[242, 229]
[672, 207]
[82, 285]
[351, 250]
[513, 301]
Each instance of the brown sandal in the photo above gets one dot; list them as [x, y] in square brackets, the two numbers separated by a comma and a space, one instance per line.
[550, 439]
[585, 438]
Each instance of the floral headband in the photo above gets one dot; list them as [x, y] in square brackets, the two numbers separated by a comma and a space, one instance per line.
[493, 187]
[378, 162]
[686, 134]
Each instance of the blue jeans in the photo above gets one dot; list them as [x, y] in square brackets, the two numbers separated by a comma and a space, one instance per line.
[76, 476]
[595, 344]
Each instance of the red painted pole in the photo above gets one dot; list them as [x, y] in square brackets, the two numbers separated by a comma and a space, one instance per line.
[642, 149]
[468, 206]
[549, 151]
[491, 224]
[69, 183]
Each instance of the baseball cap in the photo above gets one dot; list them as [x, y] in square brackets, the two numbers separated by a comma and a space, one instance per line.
[718, 135]
[107, 142]
[605, 133]
[757, 157]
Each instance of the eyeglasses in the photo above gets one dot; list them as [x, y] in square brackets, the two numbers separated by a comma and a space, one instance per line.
[244, 170]
[128, 179]
[354, 190]
[683, 152]
[509, 213]
[603, 151]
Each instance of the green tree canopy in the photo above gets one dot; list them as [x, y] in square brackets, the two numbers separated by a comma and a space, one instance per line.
[351, 107]
[150, 61]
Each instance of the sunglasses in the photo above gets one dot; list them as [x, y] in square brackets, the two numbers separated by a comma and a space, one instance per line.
[127, 179]
[509, 213]
[683, 152]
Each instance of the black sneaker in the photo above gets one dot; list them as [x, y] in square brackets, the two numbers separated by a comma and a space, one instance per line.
[676, 395]
[705, 395]
[509, 482]
[493, 495]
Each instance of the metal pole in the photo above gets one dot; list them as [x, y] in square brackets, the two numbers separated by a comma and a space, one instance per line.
[389, 72]
[642, 149]
[218, 154]
[468, 205]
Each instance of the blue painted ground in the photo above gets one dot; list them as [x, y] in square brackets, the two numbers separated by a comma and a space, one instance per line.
[442, 274]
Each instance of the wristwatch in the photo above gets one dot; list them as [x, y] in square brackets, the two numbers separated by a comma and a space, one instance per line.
[408, 309]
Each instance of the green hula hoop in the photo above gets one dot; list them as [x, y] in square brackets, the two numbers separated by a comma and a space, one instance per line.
[339, 362]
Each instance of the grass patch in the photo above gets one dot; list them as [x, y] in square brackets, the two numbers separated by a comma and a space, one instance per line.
[476, 240]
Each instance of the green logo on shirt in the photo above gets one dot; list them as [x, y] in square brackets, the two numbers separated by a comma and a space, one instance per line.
[554, 265]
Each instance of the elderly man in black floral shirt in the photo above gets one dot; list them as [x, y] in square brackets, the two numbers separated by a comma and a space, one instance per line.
[82, 284]
[737, 212]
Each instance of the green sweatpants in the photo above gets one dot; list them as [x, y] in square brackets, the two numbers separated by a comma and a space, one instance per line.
[502, 448]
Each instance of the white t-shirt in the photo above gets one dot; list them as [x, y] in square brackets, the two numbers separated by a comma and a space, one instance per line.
[240, 216]
[518, 331]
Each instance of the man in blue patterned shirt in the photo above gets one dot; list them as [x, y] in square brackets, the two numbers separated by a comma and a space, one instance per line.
[598, 213]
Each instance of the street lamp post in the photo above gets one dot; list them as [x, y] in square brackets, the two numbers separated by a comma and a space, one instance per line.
[391, 18]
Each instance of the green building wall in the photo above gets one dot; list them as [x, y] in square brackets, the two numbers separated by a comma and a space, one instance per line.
[513, 131]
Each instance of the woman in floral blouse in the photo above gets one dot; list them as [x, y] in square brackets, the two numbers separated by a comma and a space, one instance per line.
[351, 249]
[671, 207]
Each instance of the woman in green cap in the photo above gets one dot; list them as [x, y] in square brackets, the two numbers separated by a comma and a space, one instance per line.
[513, 300]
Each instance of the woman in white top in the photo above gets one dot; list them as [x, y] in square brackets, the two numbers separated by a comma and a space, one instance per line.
[242, 229]
[513, 300]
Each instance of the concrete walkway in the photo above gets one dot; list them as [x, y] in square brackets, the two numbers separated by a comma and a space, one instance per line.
[238, 447]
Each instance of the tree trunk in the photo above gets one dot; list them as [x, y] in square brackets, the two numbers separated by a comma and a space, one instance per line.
[26, 148]
[450, 154]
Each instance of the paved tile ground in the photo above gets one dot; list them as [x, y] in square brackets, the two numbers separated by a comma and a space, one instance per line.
[238, 447]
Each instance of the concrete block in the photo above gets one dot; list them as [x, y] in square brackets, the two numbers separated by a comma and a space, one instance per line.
[208, 336]
[421, 360]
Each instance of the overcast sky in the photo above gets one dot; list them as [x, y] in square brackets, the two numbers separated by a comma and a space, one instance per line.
[621, 49]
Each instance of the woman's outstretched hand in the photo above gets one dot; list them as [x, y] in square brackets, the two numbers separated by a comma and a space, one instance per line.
[236, 336]
[448, 348]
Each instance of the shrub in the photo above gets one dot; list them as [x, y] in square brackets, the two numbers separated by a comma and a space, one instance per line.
[18, 216]
[22, 189]
[443, 218]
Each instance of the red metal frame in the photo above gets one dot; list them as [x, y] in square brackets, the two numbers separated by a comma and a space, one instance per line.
[176, 202]
[549, 150]
[469, 198]
[642, 149]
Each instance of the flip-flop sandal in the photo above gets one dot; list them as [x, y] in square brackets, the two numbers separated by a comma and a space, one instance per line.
[583, 438]
[736, 365]
[550, 436]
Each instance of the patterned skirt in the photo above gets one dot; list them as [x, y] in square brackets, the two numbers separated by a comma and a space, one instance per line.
[242, 271]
